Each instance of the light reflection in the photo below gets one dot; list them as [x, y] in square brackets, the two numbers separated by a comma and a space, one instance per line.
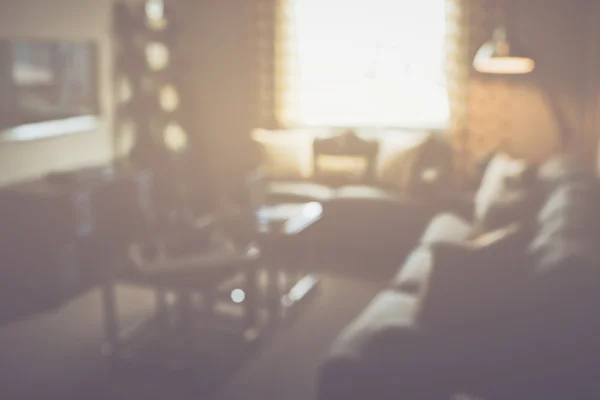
[504, 65]
[169, 98]
[238, 296]
[39, 130]
[312, 209]
[155, 14]
[175, 137]
[302, 288]
[157, 56]
[430, 175]
[155, 10]
[124, 90]
[498, 57]
[126, 137]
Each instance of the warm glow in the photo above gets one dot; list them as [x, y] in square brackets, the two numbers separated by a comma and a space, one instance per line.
[238, 296]
[175, 137]
[504, 65]
[169, 98]
[126, 137]
[430, 175]
[155, 14]
[155, 9]
[497, 56]
[124, 90]
[157, 56]
[366, 63]
[312, 209]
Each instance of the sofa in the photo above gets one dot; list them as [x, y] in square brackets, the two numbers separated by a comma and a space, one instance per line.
[498, 308]
[372, 184]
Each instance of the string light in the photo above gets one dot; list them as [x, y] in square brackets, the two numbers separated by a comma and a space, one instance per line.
[155, 14]
[155, 10]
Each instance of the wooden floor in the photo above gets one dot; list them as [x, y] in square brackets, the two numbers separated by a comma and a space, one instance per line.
[58, 355]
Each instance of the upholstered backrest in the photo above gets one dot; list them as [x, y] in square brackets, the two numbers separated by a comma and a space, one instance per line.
[345, 158]
[561, 168]
[394, 159]
[563, 292]
[569, 221]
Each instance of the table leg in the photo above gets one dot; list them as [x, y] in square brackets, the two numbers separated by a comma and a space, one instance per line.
[305, 280]
[185, 321]
[273, 286]
[162, 312]
[180, 345]
[251, 302]
[111, 320]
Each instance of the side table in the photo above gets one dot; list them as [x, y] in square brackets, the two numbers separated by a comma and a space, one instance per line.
[288, 247]
[170, 337]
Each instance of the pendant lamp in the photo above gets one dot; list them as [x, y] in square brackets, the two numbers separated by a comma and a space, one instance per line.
[499, 56]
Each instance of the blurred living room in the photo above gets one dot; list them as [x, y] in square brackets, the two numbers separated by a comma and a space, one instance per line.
[299, 199]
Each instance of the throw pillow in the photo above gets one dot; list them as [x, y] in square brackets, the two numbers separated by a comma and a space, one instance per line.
[503, 173]
[475, 280]
[286, 154]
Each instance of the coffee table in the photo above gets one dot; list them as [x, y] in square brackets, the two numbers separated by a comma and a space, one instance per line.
[288, 244]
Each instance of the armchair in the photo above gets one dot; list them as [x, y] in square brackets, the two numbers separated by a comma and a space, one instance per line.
[371, 207]
[345, 158]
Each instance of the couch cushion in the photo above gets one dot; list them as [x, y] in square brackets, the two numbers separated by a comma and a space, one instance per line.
[377, 322]
[413, 275]
[382, 352]
[518, 205]
[569, 227]
[503, 174]
[560, 168]
[298, 192]
[476, 280]
[447, 227]
[365, 192]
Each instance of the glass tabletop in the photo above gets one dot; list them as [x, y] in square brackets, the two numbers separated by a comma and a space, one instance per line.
[288, 218]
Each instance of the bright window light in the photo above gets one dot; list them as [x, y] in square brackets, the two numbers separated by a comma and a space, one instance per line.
[365, 63]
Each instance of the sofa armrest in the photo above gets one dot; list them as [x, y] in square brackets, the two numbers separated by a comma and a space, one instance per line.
[383, 353]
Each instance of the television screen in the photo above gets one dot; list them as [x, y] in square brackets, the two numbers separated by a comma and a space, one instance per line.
[47, 81]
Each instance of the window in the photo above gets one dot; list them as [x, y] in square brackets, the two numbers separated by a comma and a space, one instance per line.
[365, 63]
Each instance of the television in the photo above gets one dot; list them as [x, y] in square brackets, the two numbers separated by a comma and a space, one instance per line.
[46, 83]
